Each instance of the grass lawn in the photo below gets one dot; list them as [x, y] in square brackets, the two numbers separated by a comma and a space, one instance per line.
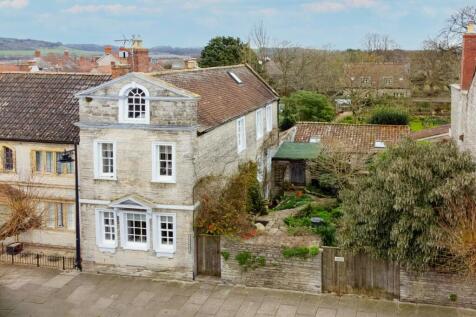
[292, 201]
[418, 123]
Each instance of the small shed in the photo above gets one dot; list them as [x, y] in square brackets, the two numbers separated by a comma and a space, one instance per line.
[290, 163]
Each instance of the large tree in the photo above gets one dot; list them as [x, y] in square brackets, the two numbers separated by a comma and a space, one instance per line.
[227, 50]
[396, 211]
[306, 106]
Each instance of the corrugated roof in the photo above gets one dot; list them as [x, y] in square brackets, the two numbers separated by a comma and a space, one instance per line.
[297, 151]
[41, 106]
[221, 97]
[355, 138]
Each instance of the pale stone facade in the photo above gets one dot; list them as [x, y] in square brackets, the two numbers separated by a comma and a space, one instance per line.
[171, 120]
[48, 186]
[463, 114]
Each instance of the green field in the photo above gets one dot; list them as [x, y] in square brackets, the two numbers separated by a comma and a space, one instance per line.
[44, 51]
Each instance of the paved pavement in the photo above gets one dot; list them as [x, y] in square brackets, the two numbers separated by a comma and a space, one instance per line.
[26, 291]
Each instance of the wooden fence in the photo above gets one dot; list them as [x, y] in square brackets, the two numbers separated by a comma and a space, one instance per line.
[344, 272]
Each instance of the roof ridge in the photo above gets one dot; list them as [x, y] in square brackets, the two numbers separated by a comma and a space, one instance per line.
[173, 71]
[53, 73]
[351, 124]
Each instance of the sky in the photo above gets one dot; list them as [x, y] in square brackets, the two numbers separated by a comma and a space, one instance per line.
[336, 24]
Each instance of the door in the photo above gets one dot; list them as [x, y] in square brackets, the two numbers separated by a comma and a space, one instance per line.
[208, 255]
[298, 173]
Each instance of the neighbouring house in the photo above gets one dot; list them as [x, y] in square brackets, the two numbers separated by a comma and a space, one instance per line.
[146, 139]
[377, 79]
[37, 124]
[463, 96]
[436, 134]
[307, 139]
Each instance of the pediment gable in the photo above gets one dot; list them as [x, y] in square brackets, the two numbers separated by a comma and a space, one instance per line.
[132, 202]
[159, 89]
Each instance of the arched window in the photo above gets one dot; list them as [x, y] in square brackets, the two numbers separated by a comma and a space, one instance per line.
[8, 162]
[136, 104]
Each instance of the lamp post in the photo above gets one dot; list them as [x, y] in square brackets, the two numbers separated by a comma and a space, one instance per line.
[66, 158]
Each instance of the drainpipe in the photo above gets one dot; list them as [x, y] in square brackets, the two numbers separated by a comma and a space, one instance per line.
[78, 227]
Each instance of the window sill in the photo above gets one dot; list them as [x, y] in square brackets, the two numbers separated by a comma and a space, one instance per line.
[107, 249]
[165, 254]
[98, 178]
[136, 247]
[164, 181]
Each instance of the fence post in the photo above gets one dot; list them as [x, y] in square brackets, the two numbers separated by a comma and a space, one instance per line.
[37, 260]
[13, 259]
[63, 263]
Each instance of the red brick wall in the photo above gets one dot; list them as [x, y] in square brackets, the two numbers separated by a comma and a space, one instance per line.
[468, 60]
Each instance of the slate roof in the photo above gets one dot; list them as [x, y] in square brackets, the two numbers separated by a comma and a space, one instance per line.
[442, 130]
[41, 106]
[400, 74]
[221, 98]
[297, 151]
[354, 138]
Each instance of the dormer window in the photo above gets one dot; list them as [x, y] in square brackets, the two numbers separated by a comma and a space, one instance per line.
[134, 104]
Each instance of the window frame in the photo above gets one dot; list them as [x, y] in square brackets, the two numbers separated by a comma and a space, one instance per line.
[156, 177]
[41, 169]
[259, 124]
[3, 159]
[98, 160]
[101, 242]
[159, 248]
[388, 81]
[241, 134]
[128, 245]
[66, 207]
[269, 117]
[124, 105]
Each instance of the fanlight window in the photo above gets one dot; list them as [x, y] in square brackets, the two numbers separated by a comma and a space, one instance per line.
[136, 104]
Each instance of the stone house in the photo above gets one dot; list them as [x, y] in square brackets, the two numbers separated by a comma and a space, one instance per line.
[377, 79]
[463, 96]
[37, 124]
[146, 139]
[292, 162]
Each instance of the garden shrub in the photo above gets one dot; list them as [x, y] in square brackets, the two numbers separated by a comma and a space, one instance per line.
[293, 201]
[225, 254]
[246, 260]
[388, 115]
[301, 252]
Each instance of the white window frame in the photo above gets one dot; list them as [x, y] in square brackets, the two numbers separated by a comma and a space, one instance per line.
[259, 124]
[159, 248]
[128, 245]
[123, 104]
[269, 118]
[241, 134]
[97, 152]
[101, 242]
[156, 177]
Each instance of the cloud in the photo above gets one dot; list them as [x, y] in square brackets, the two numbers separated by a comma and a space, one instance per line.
[109, 9]
[339, 5]
[13, 4]
[197, 4]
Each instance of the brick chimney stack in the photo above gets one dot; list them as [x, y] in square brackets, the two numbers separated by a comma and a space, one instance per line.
[107, 50]
[119, 70]
[468, 59]
[37, 53]
[139, 58]
[66, 54]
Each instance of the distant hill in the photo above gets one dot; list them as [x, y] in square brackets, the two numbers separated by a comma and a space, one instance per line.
[18, 48]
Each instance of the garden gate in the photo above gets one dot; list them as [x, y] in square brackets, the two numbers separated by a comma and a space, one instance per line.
[208, 255]
[344, 272]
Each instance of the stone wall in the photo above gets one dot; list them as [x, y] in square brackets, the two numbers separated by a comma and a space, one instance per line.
[279, 272]
[436, 288]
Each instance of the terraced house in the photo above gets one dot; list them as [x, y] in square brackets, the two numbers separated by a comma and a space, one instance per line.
[38, 112]
[146, 139]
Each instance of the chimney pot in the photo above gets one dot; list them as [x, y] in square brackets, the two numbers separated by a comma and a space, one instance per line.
[470, 28]
[37, 53]
[107, 50]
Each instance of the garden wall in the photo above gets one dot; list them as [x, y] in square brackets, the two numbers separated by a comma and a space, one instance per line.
[279, 272]
[436, 288]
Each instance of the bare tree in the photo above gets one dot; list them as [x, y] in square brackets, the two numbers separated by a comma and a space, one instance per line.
[380, 46]
[25, 211]
[456, 26]
[285, 55]
[260, 40]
